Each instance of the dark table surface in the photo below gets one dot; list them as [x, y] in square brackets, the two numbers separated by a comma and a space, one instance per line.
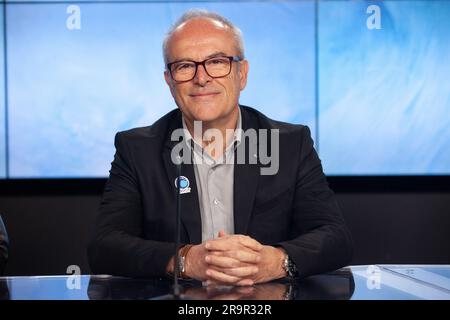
[375, 282]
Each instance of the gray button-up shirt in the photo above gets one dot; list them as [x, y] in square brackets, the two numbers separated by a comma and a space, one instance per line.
[215, 179]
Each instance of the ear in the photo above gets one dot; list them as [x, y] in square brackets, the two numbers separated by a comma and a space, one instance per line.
[167, 77]
[168, 81]
[243, 72]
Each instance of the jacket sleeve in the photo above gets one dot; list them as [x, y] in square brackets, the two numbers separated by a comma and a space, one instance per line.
[117, 246]
[321, 241]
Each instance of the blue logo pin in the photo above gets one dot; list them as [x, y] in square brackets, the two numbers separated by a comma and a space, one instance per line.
[184, 184]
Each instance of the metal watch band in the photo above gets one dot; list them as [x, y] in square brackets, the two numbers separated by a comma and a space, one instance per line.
[290, 267]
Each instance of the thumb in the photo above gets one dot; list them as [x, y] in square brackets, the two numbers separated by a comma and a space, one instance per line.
[222, 234]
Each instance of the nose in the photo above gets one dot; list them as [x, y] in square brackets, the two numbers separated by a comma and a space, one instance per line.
[201, 77]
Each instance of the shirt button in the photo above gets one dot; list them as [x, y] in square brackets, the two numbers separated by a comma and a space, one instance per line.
[216, 201]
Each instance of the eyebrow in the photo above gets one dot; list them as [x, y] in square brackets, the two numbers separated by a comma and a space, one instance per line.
[213, 55]
[217, 54]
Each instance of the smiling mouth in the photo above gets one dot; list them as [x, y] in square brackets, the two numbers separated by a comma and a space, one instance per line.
[200, 95]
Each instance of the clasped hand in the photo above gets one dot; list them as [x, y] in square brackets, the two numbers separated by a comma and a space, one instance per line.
[234, 260]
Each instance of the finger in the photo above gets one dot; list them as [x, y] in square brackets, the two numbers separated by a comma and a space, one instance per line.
[217, 253]
[250, 243]
[243, 256]
[222, 234]
[221, 277]
[235, 242]
[241, 272]
[240, 255]
[220, 244]
[246, 271]
[222, 261]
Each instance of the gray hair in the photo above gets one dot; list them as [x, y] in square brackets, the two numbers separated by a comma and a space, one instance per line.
[200, 13]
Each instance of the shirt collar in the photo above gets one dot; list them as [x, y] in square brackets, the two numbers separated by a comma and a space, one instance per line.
[236, 139]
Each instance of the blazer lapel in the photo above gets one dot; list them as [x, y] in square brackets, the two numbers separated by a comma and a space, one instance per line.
[245, 180]
[244, 187]
[190, 209]
[245, 183]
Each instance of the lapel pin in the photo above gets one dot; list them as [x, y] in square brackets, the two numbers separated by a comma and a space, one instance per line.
[184, 185]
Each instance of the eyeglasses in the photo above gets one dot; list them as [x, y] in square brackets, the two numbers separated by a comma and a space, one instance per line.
[217, 67]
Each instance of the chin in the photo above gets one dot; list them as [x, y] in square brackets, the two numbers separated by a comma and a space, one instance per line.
[206, 118]
[206, 113]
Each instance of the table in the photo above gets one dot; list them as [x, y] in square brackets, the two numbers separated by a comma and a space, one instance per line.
[372, 282]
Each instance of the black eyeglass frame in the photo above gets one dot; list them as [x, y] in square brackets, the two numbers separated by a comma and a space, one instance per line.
[197, 63]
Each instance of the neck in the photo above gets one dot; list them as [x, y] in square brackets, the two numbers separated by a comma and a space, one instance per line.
[225, 126]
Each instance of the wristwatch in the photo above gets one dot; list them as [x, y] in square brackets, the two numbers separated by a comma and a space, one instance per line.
[290, 268]
[182, 261]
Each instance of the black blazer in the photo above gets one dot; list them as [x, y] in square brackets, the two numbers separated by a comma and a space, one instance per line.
[294, 209]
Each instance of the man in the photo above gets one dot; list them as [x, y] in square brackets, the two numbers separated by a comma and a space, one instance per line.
[239, 226]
